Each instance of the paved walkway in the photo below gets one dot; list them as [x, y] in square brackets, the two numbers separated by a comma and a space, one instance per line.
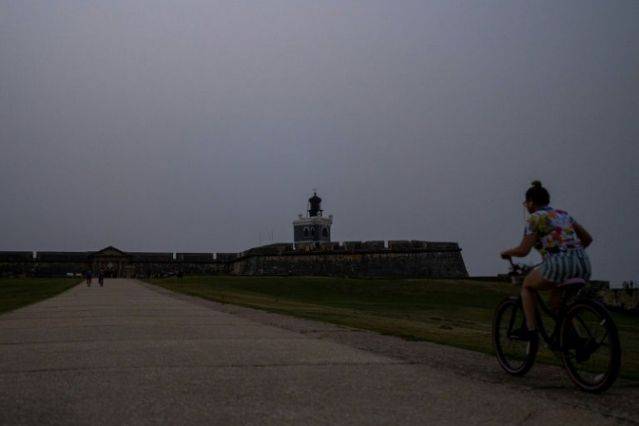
[128, 354]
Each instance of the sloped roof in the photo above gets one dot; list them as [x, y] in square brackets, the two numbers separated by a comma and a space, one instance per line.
[110, 251]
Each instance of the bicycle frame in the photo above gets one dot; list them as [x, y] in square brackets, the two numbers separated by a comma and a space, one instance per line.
[556, 317]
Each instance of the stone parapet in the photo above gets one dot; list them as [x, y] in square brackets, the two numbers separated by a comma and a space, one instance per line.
[445, 264]
[194, 257]
[226, 257]
[62, 256]
[16, 256]
[402, 258]
[352, 245]
[304, 247]
[151, 257]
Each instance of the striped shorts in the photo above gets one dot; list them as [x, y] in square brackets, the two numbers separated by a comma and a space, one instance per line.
[563, 266]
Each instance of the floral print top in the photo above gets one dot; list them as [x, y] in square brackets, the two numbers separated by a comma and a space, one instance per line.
[555, 230]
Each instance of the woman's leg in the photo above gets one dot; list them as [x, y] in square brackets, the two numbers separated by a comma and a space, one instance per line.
[532, 283]
[554, 300]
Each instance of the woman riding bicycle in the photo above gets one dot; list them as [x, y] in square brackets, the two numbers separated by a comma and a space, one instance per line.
[560, 241]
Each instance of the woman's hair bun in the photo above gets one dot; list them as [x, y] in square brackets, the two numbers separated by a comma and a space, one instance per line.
[538, 194]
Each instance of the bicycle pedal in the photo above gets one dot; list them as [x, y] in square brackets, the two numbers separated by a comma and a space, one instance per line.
[553, 347]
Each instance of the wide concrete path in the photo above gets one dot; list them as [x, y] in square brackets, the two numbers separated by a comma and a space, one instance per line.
[127, 354]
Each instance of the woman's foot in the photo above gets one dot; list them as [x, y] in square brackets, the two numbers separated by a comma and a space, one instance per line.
[524, 334]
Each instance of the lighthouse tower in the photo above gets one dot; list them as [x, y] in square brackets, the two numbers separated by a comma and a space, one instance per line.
[314, 228]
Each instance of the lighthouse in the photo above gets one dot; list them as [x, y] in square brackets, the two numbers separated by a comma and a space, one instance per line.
[315, 227]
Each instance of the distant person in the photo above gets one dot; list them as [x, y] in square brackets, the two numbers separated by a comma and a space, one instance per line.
[560, 241]
[101, 277]
[89, 277]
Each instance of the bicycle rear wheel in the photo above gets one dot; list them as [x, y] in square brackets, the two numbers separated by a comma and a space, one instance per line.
[516, 356]
[591, 351]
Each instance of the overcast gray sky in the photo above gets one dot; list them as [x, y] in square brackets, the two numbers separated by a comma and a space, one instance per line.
[204, 125]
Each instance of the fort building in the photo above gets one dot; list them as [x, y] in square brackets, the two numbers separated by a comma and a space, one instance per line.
[311, 253]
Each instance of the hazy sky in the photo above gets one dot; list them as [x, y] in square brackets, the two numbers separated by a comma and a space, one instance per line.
[205, 125]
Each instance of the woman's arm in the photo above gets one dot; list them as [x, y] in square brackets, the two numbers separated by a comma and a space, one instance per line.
[583, 235]
[522, 249]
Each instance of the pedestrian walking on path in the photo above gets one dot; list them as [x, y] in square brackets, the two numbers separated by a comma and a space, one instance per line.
[89, 277]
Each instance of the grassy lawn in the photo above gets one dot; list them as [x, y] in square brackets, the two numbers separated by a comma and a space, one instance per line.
[18, 292]
[451, 312]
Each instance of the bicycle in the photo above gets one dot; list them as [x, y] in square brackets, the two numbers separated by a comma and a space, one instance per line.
[584, 335]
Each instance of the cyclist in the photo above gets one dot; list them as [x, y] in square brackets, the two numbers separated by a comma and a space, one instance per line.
[560, 241]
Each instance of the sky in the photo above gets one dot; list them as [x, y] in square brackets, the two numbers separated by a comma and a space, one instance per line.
[205, 125]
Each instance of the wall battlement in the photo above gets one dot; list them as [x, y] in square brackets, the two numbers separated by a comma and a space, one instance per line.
[391, 246]
[62, 256]
[16, 256]
[354, 258]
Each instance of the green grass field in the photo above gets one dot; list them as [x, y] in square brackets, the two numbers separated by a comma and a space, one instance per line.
[18, 292]
[450, 312]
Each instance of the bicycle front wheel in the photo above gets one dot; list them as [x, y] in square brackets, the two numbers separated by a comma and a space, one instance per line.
[590, 346]
[516, 356]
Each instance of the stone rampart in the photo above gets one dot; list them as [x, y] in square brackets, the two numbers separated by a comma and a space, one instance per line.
[150, 257]
[194, 257]
[352, 245]
[16, 263]
[400, 258]
[58, 269]
[225, 257]
[373, 245]
[16, 256]
[62, 256]
[202, 268]
[367, 259]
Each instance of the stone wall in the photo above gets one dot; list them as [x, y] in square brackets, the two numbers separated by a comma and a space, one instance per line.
[151, 257]
[155, 270]
[360, 259]
[352, 258]
[16, 256]
[62, 256]
[194, 257]
[16, 263]
[58, 269]
[136, 264]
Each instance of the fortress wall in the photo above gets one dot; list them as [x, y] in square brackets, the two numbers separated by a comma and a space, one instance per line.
[400, 245]
[62, 256]
[277, 248]
[440, 246]
[200, 268]
[425, 263]
[225, 257]
[194, 257]
[373, 245]
[151, 257]
[16, 263]
[399, 258]
[12, 267]
[352, 245]
[57, 269]
[16, 256]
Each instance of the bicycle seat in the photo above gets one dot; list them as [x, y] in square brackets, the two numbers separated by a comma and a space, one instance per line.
[573, 282]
